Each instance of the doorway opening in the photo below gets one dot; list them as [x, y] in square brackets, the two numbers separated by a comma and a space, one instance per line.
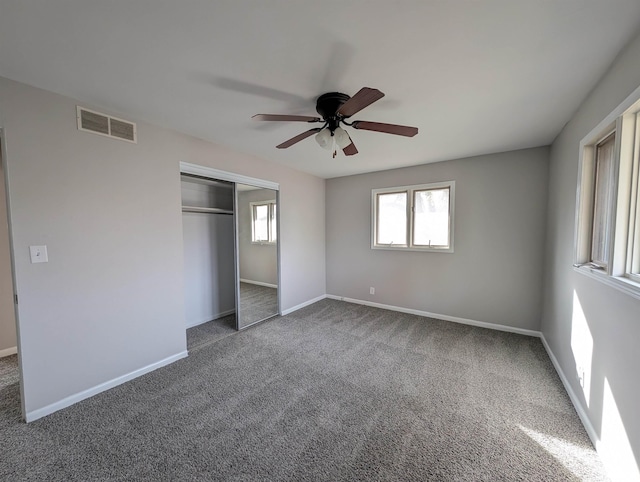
[10, 382]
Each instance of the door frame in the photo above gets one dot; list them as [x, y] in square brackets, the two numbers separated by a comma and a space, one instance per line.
[16, 313]
[210, 172]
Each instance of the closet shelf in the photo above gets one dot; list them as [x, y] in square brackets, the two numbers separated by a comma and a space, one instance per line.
[196, 209]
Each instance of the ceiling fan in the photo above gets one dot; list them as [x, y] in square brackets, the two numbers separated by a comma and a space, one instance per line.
[336, 108]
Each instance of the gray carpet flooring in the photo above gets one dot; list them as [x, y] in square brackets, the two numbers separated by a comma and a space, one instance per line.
[207, 333]
[257, 303]
[334, 391]
[9, 371]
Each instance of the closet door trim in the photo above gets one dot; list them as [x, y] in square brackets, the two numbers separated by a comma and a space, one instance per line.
[188, 168]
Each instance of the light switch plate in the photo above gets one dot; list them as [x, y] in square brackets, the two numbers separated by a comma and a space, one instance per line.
[38, 254]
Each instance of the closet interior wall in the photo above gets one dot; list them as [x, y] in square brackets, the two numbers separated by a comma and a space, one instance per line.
[208, 231]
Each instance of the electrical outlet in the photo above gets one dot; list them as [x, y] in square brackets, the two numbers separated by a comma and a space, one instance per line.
[372, 291]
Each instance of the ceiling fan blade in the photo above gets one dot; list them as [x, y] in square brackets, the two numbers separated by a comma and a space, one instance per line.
[386, 128]
[364, 97]
[290, 118]
[298, 138]
[350, 150]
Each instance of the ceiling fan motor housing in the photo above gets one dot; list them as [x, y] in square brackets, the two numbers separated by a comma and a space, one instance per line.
[327, 106]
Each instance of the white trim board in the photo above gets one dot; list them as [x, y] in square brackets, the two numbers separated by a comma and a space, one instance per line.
[8, 351]
[188, 168]
[302, 305]
[258, 283]
[619, 283]
[584, 418]
[455, 319]
[90, 392]
[207, 319]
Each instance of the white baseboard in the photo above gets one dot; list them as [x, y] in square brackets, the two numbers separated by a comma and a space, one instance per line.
[302, 305]
[572, 395]
[66, 402]
[8, 351]
[455, 319]
[259, 283]
[207, 319]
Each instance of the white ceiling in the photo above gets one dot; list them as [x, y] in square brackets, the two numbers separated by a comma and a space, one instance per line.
[475, 76]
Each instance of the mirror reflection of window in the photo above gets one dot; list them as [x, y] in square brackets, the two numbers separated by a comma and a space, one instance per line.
[272, 227]
[263, 222]
[260, 223]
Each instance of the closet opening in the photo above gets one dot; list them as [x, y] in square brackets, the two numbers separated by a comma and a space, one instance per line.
[209, 252]
[231, 252]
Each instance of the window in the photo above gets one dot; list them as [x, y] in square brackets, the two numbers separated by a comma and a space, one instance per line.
[603, 201]
[414, 218]
[263, 222]
[607, 245]
[633, 250]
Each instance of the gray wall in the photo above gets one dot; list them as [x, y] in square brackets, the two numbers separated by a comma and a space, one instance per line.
[209, 269]
[495, 273]
[110, 300]
[7, 316]
[258, 262]
[612, 318]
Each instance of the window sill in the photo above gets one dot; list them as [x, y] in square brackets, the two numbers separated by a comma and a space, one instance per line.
[620, 283]
[263, 243]
[420, 250]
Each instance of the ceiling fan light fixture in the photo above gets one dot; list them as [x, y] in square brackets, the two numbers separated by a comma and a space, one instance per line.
[341, 137]
[324, 139]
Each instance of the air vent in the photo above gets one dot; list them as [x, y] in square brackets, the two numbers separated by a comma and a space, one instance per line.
[105, 125]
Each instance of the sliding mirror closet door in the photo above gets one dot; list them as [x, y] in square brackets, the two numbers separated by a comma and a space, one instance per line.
[257, 247]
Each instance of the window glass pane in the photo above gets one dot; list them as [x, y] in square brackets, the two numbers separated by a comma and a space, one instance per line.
[273, 226]
[633, 249]
[635, 246]
[603, 199]
[260, 222]
[634, 224]
[392, 219]
[431, 217]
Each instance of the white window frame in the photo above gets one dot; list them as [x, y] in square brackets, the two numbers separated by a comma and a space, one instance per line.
[272, 207]
[623, 268]
[410, 190]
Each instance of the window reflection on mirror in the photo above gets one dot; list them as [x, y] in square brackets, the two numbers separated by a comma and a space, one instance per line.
[263, 222]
